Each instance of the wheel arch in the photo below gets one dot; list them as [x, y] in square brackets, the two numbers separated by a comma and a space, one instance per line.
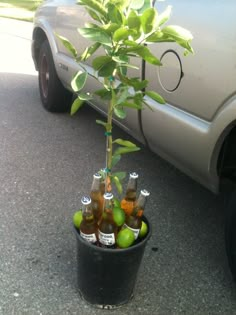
[222, 136]
[226, 163]
[41, 33]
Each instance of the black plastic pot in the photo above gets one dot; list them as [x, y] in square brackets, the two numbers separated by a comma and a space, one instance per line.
[107, 277]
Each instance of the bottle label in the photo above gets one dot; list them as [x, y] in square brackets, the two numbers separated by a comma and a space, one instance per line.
[136, 231]
[106, 239]
[91, 238]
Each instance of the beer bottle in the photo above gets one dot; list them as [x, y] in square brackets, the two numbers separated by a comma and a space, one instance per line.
[96, 197]
[127, 203]
[88, 226]
[107, 229]
[134, 221]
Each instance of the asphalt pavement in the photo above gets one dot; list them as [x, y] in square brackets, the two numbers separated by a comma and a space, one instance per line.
[46, 165]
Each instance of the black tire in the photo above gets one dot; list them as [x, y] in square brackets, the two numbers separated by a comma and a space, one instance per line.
[230, 232]
[54, 97]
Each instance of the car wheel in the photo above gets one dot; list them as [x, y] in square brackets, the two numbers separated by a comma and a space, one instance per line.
[230, 232]
[54, 97]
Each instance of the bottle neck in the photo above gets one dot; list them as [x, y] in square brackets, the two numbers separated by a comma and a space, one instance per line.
[140, 205]
[87, 212]
[132, 184]
[95, 184]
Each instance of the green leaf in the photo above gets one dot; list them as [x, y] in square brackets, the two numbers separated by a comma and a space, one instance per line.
[104, 94]
[123, 71]
[95, 5]
[135, 83]
[122, 95]
[131, 43]
[114, 14]
[145, 53]
[147, 4]
[120, 59]
[164, 16]
[89, 51]
[120, 34]
[94, 15]
[134, 22]
[85, 96]
[108, 69]
[180, 35]
[125, 143]
[79, 81]
[177, 32]
[155, 96]
[76, 106]
[139, 85]
[110, 28]
[136, 4]
[100, 61]
[157, 37]
[115, 159]
[121, 4]
[96, 34]
[104, 124]
[138, 97]
[117, 182]
[68, 45]
[132, 105]
[120, 113]
[120, 175]
[148, 20]
[124, 150]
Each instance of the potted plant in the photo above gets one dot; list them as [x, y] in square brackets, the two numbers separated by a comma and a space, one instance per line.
[119, 30]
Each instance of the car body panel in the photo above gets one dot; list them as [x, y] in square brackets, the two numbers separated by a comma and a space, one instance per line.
[190, 128]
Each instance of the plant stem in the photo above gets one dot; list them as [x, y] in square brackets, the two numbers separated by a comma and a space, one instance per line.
[109, 138]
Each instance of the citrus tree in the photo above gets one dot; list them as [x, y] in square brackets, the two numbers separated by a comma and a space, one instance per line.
[124, 29]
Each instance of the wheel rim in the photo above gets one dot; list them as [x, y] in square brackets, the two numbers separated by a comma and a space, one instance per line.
[44, 76]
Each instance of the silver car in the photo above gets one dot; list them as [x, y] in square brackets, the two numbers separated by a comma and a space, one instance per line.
[196, 129]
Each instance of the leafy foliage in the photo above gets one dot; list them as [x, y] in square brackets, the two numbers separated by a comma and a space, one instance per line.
[124, 29]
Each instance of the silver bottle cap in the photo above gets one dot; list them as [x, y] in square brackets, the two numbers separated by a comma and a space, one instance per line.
[145, 193]
[108, 196]
[133, 175]
[97, 175]
[86, 200]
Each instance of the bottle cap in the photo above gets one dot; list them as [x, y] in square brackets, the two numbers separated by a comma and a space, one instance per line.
[86, 200]
[108, 196]
[145, 193]
[97, 175]
[133, 175]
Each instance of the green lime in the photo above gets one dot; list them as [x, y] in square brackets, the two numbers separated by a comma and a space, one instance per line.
[77, 218]
[118, 216]
[144, 229]
[125, 238]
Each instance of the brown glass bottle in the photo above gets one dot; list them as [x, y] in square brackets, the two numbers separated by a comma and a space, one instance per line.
[107, 229]
[88, 226]
[96, 197]
[128, 202]
[134, 221]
